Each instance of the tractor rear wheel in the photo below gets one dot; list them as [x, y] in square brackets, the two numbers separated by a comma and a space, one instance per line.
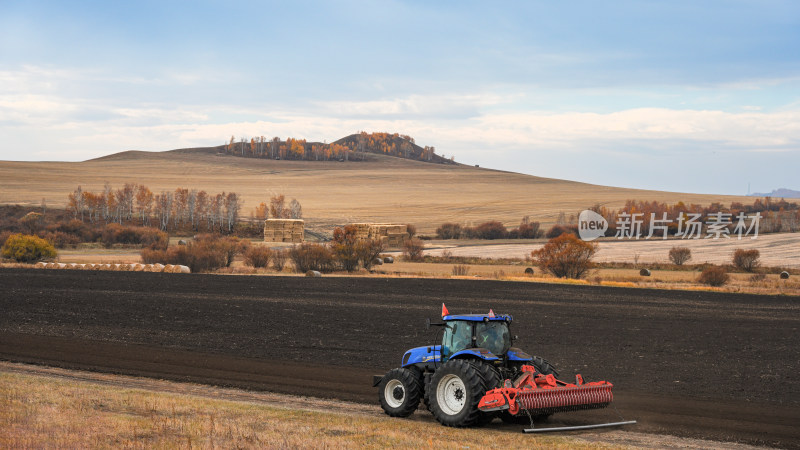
[399, 392]
[455, 390]
[491, 380]
[544, 367]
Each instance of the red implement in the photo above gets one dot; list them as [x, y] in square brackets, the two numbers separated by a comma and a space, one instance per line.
[543, 394]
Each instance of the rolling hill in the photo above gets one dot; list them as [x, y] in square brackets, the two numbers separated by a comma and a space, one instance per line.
[381, 188]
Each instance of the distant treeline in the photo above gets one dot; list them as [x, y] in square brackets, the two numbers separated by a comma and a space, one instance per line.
[350, 148]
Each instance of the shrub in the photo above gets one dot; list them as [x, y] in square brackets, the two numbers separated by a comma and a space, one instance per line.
[411, 229]
[460, 270]
[257, 256]
[32, 222]
[557, 230]
[27, 248]
[412, 249]
[368, 251]
[62, 240]
[228, 246]
[200, 256]
[78, 229]
[757, 277]
[308, 256]
[714, 276]
[680, 255]
[566, 256]
[152, 256]
[448, 231]
[747, 260]
[344, 247]
[115, 233]
[4, 235]
[530, 230]
[487, 230]
[279, 258]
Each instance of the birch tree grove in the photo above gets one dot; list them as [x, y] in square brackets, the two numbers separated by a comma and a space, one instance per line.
[181, 209]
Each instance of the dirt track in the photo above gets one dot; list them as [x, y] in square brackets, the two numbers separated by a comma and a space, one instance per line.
[704, 365]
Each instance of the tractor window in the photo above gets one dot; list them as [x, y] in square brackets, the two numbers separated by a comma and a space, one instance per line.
[457, 336]
[493, 336]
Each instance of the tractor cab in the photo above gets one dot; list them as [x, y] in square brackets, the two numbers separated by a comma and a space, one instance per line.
[475, 331]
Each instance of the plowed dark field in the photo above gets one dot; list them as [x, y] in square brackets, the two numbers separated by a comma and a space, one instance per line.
[698, 364]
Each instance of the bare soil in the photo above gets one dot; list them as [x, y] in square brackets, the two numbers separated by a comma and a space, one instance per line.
[695, 364]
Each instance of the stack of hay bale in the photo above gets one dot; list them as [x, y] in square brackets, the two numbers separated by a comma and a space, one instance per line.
[392, 235]
[284, 230]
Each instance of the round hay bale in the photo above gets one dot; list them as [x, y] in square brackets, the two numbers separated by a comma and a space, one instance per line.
[169, 268]
[644, 272]
[181, 242]
[313, 273]
[184, 269]
[72, 266]
[40, 265]
[377, 262]
[529, 271]
[79, 266]
[388, 260]
[158, 267]
[61, 266]
[49, 265]
[784, 275]
[108, 266]
[137, 267]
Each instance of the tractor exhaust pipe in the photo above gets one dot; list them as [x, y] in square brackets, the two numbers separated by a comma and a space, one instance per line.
[578, 427]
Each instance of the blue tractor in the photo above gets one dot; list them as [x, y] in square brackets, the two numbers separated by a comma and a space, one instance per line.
[475, 375]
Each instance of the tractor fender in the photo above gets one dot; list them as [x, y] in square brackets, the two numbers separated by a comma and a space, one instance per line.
[515, 354]
[422, 356]
[481, 353]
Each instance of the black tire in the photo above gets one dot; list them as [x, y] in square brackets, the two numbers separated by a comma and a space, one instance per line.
[399, 392]
[454, 392]
[491, 380]
[544, 367]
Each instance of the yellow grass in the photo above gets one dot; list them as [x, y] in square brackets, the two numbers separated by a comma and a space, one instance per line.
[38, 412]
[387, 190]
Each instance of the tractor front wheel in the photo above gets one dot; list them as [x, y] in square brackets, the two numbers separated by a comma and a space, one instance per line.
[455, 390]
[399, 392]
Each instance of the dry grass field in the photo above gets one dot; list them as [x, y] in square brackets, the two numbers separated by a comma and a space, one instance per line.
[51, 407]
[382, 189]
[37, 412]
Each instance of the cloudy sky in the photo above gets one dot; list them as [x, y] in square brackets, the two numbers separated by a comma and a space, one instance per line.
[674, 95]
